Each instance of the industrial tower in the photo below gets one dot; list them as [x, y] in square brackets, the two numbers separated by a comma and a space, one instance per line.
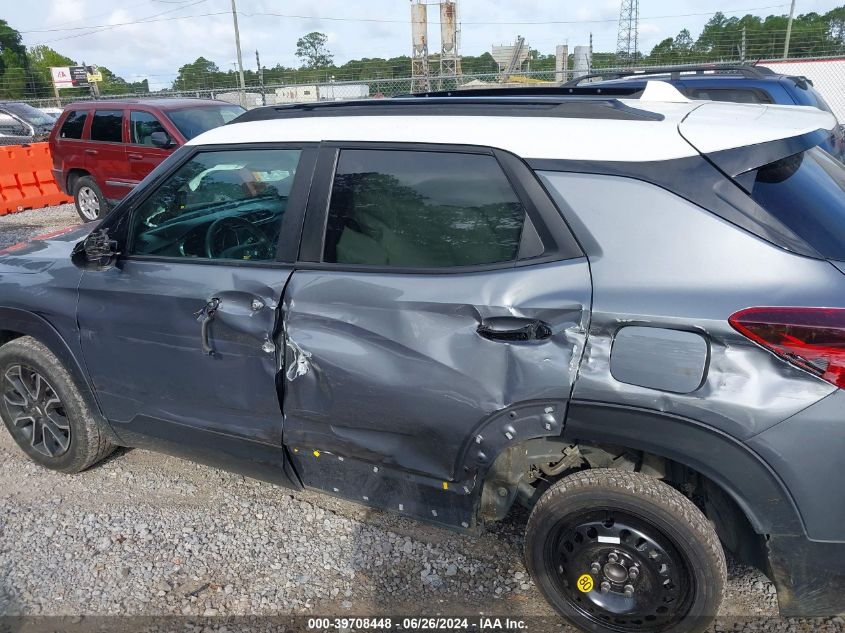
[450, 59]
[450, 62]
[419, 47]
[626, 40]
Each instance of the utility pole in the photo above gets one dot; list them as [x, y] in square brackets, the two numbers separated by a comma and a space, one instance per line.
[260, 78]
[238, 46]
[92, 85]
[742, 47]
[788, 30]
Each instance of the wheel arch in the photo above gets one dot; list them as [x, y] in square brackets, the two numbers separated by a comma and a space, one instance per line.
[730, 465]
[73, 175]
[15, 323]
[738, 491]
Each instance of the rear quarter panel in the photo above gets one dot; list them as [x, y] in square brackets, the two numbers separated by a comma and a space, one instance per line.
[659, 261]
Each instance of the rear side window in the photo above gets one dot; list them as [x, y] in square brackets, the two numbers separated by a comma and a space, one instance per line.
[107, 126]
[141, 127]
[73, 125]
[806, 192]
[421, 209]
[734, 95]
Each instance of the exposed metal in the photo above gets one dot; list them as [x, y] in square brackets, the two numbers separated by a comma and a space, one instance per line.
[419, 47]
[628, 33]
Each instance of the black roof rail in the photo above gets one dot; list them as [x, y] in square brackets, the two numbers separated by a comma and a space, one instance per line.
[746, 70]
[518, 105]
[631, 92]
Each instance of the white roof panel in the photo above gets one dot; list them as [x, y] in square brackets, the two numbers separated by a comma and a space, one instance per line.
[708, 126]
[716, 126]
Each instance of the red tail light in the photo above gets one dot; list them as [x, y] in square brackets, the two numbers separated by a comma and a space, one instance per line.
[810, 338]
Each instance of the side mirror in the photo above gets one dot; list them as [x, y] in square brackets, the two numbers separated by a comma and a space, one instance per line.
[96, 252]
[162, 140]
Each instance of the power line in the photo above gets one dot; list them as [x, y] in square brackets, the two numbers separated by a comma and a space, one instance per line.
[106, 27]
[248, 14]
[88, 17]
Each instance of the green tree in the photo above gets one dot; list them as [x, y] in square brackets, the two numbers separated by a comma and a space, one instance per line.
[113, 85]
[14, 75]
[42, 56]
[202, 74]
[312, 50]
[663, 53]
[11, 45]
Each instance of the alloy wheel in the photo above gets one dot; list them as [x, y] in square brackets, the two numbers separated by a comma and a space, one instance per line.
[36, 411]
[89, 203]
[620, 571]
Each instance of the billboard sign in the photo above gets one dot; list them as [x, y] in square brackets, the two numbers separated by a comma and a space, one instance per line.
[71, 76]
[61, 77]
[79, 75]
[93, 74]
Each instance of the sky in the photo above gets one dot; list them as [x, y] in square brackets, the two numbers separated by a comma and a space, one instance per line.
[139, 39]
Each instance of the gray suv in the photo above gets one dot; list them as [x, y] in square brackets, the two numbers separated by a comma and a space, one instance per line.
[627, 315]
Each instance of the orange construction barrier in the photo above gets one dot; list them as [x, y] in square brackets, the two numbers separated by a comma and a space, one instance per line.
[26, 179]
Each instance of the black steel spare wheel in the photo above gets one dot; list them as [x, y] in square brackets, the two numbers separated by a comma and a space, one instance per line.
[35, 410]
[617, 569]
[621, 552]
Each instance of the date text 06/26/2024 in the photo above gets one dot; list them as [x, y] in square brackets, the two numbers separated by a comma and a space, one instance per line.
[479, 623]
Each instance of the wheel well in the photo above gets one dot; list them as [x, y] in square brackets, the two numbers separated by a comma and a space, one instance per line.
[8, 335]
[73, 175]
[524, 471]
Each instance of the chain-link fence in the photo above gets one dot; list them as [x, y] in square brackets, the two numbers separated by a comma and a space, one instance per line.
[826, 74]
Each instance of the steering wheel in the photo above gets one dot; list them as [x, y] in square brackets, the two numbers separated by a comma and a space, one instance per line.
[218, 247]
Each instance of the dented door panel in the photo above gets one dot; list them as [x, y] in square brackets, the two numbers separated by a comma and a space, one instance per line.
[142, 345]
[390, 368]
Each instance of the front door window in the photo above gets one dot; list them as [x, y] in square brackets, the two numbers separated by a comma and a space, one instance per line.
[225, 205]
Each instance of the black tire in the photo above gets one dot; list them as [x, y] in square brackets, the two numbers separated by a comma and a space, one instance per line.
[679, 561]
[37, 429]
[89, 200]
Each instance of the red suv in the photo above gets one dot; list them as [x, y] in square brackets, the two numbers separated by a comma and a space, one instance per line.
[102, 149]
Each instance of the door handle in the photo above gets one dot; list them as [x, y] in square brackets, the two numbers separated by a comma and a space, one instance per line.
[205, 315]
[135, 157]
[514, 329]
[91, 152]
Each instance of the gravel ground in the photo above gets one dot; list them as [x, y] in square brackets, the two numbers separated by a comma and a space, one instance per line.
[151, 535]
[18, 227]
